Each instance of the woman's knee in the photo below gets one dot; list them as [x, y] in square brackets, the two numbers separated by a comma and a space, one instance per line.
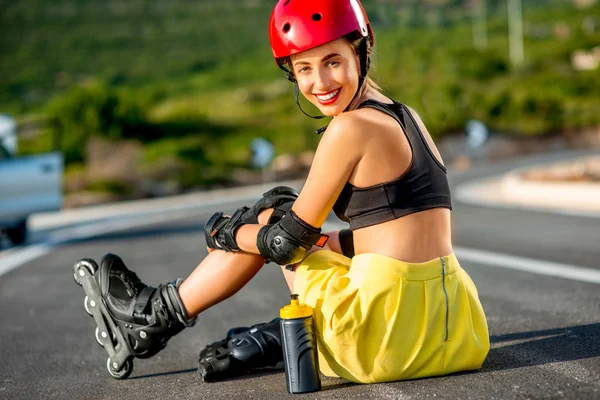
[264, 215]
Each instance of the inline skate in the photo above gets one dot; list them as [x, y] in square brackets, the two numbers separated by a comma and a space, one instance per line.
[243, 349]
[133, 319]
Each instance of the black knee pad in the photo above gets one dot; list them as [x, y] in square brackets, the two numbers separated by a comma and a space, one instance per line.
[280, 199]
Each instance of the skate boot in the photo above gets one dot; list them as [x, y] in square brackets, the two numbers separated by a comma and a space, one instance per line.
[133, 319]
[243, 349]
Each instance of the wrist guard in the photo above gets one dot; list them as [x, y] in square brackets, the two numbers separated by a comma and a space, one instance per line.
[220, 229]
[289, 240]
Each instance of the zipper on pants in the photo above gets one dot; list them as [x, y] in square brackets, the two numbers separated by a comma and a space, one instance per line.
[445, 293]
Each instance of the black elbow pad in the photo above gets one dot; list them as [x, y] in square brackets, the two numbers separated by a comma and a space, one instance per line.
[289, 240]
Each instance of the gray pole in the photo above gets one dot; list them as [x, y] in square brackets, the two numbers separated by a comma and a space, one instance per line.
[515, 32]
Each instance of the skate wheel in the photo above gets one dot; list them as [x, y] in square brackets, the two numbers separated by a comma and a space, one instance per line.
[87, 306]
[123, 373]
[100, 339]
[83, 266]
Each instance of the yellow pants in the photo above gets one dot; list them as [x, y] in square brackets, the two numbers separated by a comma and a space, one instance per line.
[379, 319]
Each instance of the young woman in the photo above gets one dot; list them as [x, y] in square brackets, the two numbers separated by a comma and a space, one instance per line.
[389, 296]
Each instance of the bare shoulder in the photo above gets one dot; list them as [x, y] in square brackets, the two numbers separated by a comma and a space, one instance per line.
[338, 152]
[418, 119]
[351, 126]
[347, 125]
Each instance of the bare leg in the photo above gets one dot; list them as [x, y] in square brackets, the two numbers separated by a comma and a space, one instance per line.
[289, 276]
[221, 274]
[217, 277]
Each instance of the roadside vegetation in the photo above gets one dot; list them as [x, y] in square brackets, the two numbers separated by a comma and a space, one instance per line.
[186, 86]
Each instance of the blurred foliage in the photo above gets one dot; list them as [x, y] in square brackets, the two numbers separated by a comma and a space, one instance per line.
[95, 109]
[111, 186]
[195, 81]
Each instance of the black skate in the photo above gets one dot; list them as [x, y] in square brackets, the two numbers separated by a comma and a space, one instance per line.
[133, 319]
[243, 350]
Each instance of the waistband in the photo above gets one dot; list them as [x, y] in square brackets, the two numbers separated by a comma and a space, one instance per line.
[412, 271]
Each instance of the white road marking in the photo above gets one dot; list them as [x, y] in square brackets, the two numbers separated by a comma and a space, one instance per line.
[18, 258]
[488, 192]
[534, 266]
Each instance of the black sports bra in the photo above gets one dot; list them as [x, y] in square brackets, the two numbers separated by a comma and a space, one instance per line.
[422, 186]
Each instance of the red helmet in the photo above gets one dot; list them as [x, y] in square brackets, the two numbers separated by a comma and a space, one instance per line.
[298, 25]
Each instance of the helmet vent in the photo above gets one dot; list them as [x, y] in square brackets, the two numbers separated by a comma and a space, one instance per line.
[316, 17]
[286, 27]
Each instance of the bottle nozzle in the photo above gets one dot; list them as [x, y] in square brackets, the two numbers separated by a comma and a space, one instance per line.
[294, 300]
[295, 309]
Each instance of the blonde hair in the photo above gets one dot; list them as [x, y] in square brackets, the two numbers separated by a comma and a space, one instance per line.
[368, 82]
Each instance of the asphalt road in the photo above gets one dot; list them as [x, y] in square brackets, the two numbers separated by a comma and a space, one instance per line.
[545, 331]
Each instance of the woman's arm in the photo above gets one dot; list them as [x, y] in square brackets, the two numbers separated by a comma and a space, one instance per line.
[338, 153]
[246, 240]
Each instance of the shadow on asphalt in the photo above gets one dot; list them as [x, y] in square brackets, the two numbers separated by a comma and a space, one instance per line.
[328, 383]
[525, 349]
[509, 351]
[249, 375]
[182, 371]
[336, 386]
[256, 374]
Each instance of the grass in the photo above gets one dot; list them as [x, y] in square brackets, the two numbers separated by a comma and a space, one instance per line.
[195, 81]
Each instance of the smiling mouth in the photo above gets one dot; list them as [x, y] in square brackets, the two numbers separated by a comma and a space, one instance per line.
[329, 97]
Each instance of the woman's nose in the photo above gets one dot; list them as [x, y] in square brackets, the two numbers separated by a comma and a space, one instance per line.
[321, 80]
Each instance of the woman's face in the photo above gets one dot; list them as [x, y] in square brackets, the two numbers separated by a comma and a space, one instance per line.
[328, 75]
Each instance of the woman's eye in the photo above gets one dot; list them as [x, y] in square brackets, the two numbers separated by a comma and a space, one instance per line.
[303, 69]
[332, 63]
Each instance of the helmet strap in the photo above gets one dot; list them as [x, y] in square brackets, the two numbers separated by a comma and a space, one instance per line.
[296, 92]
[291, 78]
